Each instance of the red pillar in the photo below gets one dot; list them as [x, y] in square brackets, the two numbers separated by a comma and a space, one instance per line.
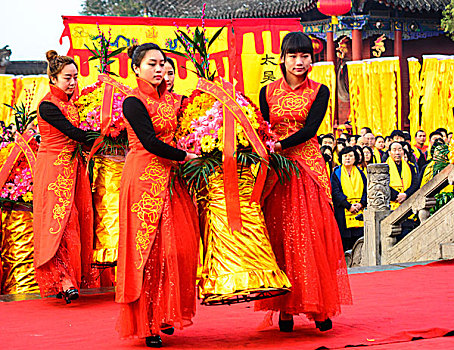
[330, 50]
[398, 51]
[357, 43]
[398, 43]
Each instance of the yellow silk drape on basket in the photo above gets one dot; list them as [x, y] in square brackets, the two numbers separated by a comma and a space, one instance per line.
[17, 253]
[375, 94]
[324, 73]
[414, 68]
[242, 261]
[106, 185]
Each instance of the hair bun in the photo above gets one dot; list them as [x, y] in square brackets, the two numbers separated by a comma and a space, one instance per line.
[51, 55]
[131, 50]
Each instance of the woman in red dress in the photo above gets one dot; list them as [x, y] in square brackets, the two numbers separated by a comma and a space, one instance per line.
[157, 255]
[169, 77]
[299, 213]
[62, 208]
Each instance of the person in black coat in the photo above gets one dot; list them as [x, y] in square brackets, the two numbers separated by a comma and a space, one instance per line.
[348, 157]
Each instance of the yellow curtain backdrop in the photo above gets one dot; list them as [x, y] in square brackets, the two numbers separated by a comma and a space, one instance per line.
[36, 84]
[14, 89]
[358, 92]
[430, 100]
[375, 94]
[431, 93]
[6, 96]
[414, 68]
[323, 72]
[446, 81]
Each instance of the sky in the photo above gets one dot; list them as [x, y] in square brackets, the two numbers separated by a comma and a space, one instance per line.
[31, 27]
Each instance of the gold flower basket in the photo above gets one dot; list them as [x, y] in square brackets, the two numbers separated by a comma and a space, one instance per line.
[106, 193]
[17, 251]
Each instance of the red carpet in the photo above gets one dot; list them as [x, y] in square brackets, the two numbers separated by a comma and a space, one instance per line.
[390, 309]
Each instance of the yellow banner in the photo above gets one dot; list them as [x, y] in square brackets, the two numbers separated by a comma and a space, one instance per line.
[247, 53]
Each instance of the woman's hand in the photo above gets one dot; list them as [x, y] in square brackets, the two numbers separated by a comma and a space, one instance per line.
[355, 208]
[277, 147]
[190, 156]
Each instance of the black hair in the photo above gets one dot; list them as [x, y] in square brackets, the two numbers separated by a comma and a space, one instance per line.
[348, 150]
[341, 141]
[387, 138]
[398, 142]
[379, 137]
[372, 155]
[407, 136]
[359, 151]
[137, 53]
[296, 42]
[368, 130]
[328, 136]
[399, 133]
[170, 61]
[416, 134]
[56, 63]
[436, 132]
[442, 130]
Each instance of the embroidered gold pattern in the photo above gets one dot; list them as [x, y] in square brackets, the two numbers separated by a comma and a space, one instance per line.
[156, 174]
[72, 115]
[62, 188]
[288, 114]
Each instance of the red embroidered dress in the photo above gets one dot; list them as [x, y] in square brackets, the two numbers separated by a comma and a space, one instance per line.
[299, 215]
[157, 257]
[62, 207]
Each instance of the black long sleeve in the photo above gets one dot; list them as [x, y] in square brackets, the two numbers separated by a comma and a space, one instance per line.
[313, 121]
[139, 119]
[414, 182]
[339, 198]
[53, 115]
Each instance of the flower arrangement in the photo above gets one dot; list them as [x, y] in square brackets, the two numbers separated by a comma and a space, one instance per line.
[18, 187]
[200, 128]
[89, 106]
[90, 101]
[201, 125]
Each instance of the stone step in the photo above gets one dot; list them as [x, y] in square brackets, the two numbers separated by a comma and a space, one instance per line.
[447, 250]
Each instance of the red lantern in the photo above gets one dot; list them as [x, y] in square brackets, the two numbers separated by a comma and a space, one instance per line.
[334, 7]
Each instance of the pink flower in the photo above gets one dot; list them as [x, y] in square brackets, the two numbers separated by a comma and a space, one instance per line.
[241, 100]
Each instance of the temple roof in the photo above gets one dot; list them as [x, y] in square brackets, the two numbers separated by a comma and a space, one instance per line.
[230, 8]
[268, 8]
[416, 5]
[26, 67]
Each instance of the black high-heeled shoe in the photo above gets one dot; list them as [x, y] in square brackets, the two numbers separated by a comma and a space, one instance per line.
[153, 341]
[68, 295]
[285, 325]
[167, 329]
[324, 326]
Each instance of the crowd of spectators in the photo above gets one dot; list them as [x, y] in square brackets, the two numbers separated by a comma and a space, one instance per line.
[411, 164]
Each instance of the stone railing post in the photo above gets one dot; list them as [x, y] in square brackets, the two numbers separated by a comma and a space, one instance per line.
[378, 199]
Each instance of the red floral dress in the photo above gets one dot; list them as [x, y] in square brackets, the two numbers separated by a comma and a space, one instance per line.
[159, 235]
[62, 206]
[300, 218]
